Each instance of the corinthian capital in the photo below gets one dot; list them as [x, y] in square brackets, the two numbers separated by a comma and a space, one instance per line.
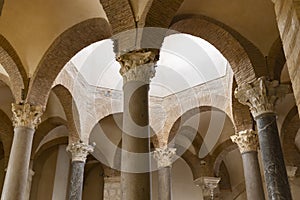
[164, 156]
[80, 151]
[138, 65]
[26, 115]
[261, 95]
[246, 140]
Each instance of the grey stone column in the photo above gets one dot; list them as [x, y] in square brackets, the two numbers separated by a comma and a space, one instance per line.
[29, 183]
[261, 96]
[137, 68]
[25, 120]
[247, 142]
[209, 186]
[164, 157]
[79, 153]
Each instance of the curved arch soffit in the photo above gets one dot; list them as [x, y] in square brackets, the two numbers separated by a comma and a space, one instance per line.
[220, 153]
[276, 59]
[289, 131]
[44, 128]
[49, 146]
[13, 66]
[6, 133]
[192, 120]
[71, 111]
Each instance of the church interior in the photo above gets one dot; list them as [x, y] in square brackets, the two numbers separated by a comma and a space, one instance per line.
[149, 99]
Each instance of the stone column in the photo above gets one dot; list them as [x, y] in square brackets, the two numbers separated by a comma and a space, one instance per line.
[137, 68]
[79, 151]
[25, 120]
[164, 157]
[209, 187]
[29, 183]
[247, 142]
[261, 96]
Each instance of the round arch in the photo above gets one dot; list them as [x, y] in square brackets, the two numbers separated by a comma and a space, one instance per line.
[9, 59]
[60, 52]
[246, 60]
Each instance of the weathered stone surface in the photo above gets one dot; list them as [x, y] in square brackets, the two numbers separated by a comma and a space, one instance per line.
[18, 165]
[76, 181]
[254, 187]
[26, 115]
[272, 156]
[246, 140]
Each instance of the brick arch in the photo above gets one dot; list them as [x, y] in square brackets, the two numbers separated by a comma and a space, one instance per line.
[12, 64]
[60, 52]
[289, 132]
[6, 134]
[71, 111]
[276, 60]
[159, 13]
[120, 15]
[246, 61]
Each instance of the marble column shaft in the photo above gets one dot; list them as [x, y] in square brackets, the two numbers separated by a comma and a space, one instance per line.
[272, 156]
[76, 180]
[25, 120]
[164, 158]
[79, 153]
[261, 96]
[247, 142]
[164, 183]
[137, 68]
[254, 186]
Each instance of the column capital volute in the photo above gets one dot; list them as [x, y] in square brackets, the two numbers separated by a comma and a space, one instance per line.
[138, 65]
[26, 115]
[246, 140]
[261, 95]
[164, 156]
[80, 150]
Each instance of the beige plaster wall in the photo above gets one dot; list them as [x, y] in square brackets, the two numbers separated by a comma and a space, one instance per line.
[46, 182]
[93, 184]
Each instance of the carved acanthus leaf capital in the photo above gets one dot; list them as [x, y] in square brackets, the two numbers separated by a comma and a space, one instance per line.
[246, 140]
[261, 95]
[138, 65]
[26, 115]
[80, 150]
[164, 156]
